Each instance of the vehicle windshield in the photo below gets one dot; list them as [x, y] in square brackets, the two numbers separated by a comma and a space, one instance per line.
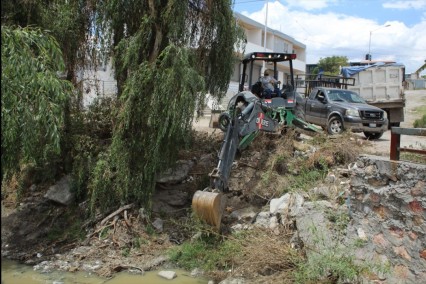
[345, 95]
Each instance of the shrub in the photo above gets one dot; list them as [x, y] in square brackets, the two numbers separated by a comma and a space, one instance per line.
[420, 123]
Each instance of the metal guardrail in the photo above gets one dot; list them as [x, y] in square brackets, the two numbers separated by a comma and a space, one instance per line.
[395, 145]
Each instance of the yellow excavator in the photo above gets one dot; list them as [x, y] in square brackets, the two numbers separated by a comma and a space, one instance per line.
[247, 114]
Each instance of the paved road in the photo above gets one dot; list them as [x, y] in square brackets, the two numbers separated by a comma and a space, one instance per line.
[414, 99]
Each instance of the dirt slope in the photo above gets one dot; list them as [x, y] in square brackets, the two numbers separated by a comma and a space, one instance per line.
[36, 230]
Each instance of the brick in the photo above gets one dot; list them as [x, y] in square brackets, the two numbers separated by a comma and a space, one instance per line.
[377, 182]
[380, 240]
[381, 211]
[419, 189]
[396, 232]
[415, 207]
[375, 198]
[401, 271]
[412, 235]
[402, 252]
[418, 220]
[423, 254]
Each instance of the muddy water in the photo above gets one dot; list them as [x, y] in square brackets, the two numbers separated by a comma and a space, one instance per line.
[14, 273]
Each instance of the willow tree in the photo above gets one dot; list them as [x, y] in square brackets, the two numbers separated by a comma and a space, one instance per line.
[166, 55]
[33, 97]
[70, 23]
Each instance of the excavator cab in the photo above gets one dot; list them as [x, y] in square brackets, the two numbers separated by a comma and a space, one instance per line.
[251, 65]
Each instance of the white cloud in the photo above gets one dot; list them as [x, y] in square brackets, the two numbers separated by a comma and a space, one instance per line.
[405, 5]
[329, 34]
[308, 4]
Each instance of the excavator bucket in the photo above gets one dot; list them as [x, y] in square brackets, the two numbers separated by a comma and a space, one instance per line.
[209, 206]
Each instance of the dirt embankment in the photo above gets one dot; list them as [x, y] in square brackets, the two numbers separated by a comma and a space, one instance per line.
[39, 231]
[36, 230]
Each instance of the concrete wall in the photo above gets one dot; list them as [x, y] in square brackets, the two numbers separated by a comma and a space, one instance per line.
[388, 207]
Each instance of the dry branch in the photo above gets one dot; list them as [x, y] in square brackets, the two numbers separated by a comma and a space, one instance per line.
[116, 212]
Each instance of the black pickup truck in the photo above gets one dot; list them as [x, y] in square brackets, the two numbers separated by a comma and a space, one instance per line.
[337, 109]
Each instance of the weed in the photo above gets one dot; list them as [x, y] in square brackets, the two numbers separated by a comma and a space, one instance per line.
[420, 123]
[306, 178]
[150, 230]
[136, 242]
[209, 252]
[359, 243]
[103, 233]
[414, 157]
[64, 226]
[339, 218]
[332, 262]
[125, 252]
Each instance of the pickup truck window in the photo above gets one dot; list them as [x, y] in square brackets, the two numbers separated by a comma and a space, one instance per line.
[344, 95]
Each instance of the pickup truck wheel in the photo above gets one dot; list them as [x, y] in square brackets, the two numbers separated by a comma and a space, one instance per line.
[335, 125]
[373, 135]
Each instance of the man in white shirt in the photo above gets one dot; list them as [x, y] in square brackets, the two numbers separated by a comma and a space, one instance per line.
[270, 85]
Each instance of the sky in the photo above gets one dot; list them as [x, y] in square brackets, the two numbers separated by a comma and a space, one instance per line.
[390, 29]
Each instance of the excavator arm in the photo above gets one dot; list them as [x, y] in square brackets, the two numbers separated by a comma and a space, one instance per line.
[242, 127]
[220, 175]
[209, 204]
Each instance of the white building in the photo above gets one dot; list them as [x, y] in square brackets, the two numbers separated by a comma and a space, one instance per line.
[97, 83]
[276, 41]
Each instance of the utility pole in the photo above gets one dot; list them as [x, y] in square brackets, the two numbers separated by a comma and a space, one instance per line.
[264, 36]
[368, 55]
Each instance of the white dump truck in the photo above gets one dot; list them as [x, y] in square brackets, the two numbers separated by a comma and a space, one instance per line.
[381, 85]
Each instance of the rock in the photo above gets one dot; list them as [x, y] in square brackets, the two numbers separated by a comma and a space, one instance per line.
[370, 170]
[142, 214]
[196, 237]
[154, 262]
[331, 178]
[197, 272]
[262, 219]
[314, 227]
[176, 174]
[361, 234]
[167, 274]
[172, 197]
[241, 227]
[300, 146]
[288, 204]
[158, 225]
[245, 214]
[233, 281]
[61, 191]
